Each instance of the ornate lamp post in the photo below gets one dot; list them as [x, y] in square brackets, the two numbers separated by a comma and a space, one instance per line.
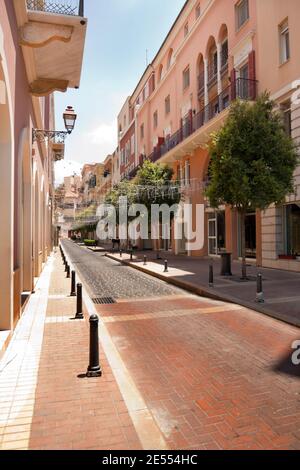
[69, 116]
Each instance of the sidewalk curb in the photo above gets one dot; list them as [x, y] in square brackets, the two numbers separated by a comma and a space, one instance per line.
[209, 293]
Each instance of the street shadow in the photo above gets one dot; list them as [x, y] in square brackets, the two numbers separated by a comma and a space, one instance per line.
[286, 366]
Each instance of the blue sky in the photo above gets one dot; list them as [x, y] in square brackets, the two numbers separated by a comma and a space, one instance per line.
[119, 32]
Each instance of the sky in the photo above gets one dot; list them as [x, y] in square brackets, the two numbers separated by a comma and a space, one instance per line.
[119, 33]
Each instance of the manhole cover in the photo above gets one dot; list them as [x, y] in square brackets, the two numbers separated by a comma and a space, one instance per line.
[104, 300]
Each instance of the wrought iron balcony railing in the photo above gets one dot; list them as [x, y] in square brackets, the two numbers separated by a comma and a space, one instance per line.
[242, 88]
[58, 7]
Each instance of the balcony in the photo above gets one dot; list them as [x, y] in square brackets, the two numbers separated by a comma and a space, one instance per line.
[52, 37]
[59, 7]
[208, 120]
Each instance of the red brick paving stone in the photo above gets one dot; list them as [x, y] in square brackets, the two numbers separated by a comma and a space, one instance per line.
[69, 412]
[91, 408]
[208, 378]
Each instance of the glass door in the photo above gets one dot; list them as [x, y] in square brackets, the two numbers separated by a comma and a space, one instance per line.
[243, 91]
[212, 234]
[216, 233]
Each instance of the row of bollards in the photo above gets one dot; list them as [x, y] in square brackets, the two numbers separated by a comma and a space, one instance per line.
[94, 367]
[259, 284]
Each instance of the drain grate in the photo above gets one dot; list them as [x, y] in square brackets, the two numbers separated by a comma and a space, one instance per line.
[104, 300]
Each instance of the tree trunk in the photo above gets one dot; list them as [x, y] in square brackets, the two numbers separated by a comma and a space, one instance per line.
[243, 244]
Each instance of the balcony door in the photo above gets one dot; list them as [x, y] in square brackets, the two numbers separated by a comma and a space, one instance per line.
[216, 233]
[243, 84]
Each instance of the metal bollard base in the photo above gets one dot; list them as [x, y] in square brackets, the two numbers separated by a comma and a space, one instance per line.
[79, 316]
[92, 374]
[260, 298]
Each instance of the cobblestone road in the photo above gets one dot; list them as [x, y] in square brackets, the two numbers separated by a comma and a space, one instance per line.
[109, 278]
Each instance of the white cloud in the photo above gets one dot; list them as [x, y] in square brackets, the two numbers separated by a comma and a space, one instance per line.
[65, 168]
[104, 137]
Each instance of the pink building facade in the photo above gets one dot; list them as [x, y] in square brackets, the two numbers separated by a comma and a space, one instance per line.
[27, 83]
[215, 52]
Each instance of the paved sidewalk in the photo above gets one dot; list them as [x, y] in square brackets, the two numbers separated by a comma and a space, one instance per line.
[43, 404]
[180, 372]
[281, 288]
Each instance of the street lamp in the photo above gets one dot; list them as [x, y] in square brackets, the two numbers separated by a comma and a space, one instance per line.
[69, 116]
[69, 119]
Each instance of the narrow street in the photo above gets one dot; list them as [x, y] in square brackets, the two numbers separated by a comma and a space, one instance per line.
[107, 278]
[213, 375]
[179, 371]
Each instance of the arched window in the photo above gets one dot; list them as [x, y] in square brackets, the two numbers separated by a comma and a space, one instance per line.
[212, 59]
[223, 40]
[171, 58]
[160, 72]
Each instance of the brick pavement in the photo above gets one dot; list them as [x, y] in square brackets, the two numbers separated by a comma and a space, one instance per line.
[209, 377]
[281, 288]
[198, 373]
[44, 405]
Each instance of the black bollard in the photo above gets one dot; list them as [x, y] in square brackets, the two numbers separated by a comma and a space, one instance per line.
[259, 290]
[94, 369]
[131, 255]
[166, 266]
[79, 313]
[66, 267]
[211, 275]
[68, 272]
[145, 260]
[73, 284]
[121, 253]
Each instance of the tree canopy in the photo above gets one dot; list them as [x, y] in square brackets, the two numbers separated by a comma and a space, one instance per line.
[252, 159]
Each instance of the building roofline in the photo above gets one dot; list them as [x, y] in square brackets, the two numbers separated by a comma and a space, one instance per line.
[161, 47]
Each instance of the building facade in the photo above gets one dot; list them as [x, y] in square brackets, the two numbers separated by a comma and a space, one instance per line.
[279, 72]
[215, 52]
[31, 69]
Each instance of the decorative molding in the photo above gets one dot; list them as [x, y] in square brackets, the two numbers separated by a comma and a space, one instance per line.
[46, 86]
[36, 34]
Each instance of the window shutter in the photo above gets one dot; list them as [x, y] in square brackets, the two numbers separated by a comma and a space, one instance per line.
[252, 75]
[233, 84]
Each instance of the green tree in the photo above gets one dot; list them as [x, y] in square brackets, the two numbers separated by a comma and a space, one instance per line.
[156, 186]
[252, 161]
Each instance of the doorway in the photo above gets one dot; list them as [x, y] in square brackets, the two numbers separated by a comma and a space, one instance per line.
[250, 236]
[216, 233]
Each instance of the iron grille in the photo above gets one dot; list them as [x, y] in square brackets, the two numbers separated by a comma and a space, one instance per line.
[59, 7]
[104, 301]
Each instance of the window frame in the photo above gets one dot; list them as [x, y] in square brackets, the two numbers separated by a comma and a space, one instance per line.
[238, 6]
[167, 102]
[198, 11]
[155, 119]
[186, 86]
[284, 42]
[186, 29]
